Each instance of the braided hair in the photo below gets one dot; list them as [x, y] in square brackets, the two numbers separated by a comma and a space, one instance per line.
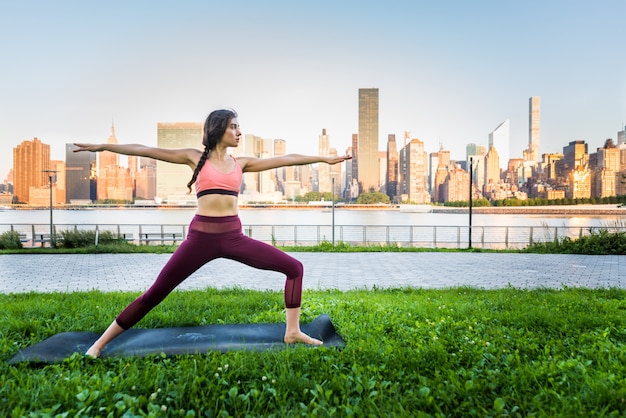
[214, 127]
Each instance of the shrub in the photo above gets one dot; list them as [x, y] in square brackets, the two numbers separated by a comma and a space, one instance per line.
[79, 239]
[600, 242]
[10, 240]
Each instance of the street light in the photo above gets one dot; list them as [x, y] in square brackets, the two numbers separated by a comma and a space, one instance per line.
[333, 207]
[470, 201]
[50, 175]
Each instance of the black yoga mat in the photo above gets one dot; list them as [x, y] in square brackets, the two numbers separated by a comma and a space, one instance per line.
[173, 341]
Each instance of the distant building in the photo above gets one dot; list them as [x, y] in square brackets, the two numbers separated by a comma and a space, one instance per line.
[500, 139]
[382, 171]
[621, 175]
[579, 183]
[477, 154]
[607, 170]
[413, 168]
[621, 137]
[145, 180]
[492, 169]
[58, 166]
[30, 161]
[108, 164]
[172, 179]
[280, 148]
[549, 165]
[575, 155]
[439, 163]
[534, 129]
[324, 169]
[80, 175]
[114, 181]
[335, 173]
[456, 186]
[368, 166]
[391, 183]
[354, 164]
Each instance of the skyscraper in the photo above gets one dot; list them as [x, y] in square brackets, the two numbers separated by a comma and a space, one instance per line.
[621, 137]
[114, 182]
[324, 180]
[500, 139]
[258, 182]
[354, 163]
[456, 185]
[172, 179]
[534, 129]
[59, 180]
[575, 155]
[30, 160]
[368, 168]
[392, 167]
[477, 154]
[492, 169]
[145, 184]
[437, 172]
[606, 174]
[413, 168]
[80, 175]
[280, 148]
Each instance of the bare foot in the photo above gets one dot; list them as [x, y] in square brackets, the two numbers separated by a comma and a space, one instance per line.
[93, 352]
[301, 337]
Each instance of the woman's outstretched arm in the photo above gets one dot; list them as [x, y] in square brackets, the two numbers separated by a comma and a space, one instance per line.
[249, 164]
[189, 156]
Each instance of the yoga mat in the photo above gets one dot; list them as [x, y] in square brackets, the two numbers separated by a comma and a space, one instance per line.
[174, 341]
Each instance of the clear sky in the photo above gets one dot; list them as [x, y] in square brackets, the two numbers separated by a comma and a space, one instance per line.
[448, 71]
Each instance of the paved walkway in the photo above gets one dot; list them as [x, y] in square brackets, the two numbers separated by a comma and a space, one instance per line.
[344, 271]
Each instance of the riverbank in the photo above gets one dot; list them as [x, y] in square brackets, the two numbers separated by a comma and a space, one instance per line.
[568, 210]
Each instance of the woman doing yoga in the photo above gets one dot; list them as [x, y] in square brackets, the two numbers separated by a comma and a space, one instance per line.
[215, 231]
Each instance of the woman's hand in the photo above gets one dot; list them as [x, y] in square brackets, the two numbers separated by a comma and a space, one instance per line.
[89, 147]
[338, 159]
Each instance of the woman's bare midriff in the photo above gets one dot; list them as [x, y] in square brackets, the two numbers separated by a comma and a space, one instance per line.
[217, 205]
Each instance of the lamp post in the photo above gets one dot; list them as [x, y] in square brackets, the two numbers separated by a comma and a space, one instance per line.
[50, 175]
[332, 180]
[470, 200]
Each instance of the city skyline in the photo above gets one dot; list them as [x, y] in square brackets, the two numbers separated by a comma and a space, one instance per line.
[447, 73]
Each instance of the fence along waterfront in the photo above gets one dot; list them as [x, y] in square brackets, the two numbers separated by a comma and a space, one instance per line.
[425, 236]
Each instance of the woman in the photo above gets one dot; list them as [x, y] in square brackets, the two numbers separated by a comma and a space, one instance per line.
[215, 231]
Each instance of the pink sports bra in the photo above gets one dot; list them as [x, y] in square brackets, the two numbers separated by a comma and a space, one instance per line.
[212, 181]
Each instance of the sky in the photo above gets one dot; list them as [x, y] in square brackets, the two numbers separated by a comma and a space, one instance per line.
[448, 71]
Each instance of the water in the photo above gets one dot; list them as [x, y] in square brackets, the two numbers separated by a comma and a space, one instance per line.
[299, 217]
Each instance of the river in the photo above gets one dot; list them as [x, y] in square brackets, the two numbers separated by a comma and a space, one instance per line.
[314, 216]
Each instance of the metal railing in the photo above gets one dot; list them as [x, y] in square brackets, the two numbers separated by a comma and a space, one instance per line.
[486, 237]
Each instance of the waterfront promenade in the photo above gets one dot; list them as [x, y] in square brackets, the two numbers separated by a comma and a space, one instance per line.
[21, 273]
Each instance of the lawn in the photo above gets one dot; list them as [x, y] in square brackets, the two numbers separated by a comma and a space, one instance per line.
[410, 352]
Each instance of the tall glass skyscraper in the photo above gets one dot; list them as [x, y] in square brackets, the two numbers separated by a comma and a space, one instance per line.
[621, 137]
[499, 139]
[80, 175]
[534, 129]
[392, 167]
[368, 168]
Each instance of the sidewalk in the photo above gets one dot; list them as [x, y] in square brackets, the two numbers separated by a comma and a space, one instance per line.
[22, 273]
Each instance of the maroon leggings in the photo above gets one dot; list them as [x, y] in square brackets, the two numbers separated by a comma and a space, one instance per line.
[210, 238]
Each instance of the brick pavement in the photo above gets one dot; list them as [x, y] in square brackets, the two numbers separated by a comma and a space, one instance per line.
[21, 273]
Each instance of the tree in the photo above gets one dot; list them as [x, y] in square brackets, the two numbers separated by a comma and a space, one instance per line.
[370, 198]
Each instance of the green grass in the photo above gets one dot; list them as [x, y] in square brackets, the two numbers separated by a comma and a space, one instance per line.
[453, 352]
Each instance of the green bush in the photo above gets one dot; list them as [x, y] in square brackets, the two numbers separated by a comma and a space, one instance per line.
[600, 242]
[10, 240]
[80, 239]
